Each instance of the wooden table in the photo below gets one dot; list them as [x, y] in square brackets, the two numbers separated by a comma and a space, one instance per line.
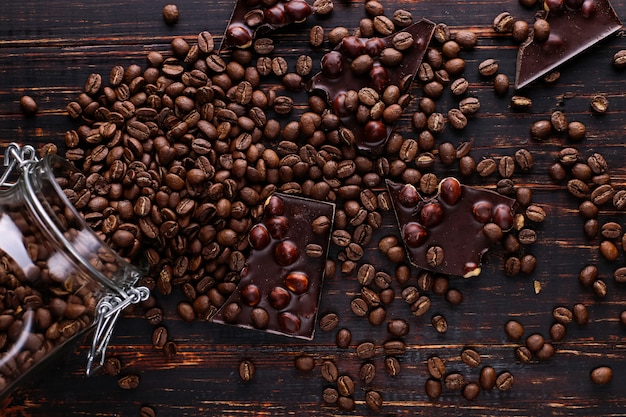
[47, 51]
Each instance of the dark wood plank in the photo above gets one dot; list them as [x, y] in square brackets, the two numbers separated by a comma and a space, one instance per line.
[48, 50]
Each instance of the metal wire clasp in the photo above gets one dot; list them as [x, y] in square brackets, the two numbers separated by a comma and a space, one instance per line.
[16, 156]
[107, 312]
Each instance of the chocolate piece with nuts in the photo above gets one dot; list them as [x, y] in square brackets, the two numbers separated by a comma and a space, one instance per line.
[571, 31]
[373, 65]
[281, 284]
[247, 23]
[450, 232]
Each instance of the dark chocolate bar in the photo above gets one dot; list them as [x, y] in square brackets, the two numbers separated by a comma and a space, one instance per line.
[371, 136]
[450, 232]
[280, 286]
[572, 31]
[252, 19]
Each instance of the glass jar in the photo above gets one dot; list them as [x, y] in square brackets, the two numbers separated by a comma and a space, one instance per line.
[58, 279]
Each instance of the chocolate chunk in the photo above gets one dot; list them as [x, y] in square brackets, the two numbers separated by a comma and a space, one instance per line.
[253, 19]
[449, 233]
[281, 284]
[357, 63]
[571, 31]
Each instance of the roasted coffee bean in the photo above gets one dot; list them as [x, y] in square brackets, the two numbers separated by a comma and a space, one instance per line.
[329, 371]
[246, 370]
[599, 103]
[581, 314]
[146, 411]
[535, 342]
[439, 323]
[392, 366]
[611, 230]
[329, 322]
[398, 327]
[330, 395]
[503, 22]
[28, 105]
[505, 381]
[345, 385]
[112, 366]
[609, 250]
[488, 67]
[514, 329]
[523, 354]
[304, 363]
[562, 315]
[436, 367]
[576, 131]
[577, 188]
[343, 338]
[471, 358]
[366, 350]
[373, 400]
[377, 316]
[599, 288]
[433, 388]
[557, 332]
[455, 381]
[487, 378]
[170, 14]
[601, 375]
[128, 382]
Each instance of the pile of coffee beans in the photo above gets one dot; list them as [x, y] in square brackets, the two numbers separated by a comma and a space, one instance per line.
[177, 158]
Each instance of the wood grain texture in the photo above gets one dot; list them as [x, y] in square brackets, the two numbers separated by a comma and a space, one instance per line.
[47, 51]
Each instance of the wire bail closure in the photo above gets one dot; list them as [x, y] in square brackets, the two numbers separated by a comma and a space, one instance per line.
[108, 310]
[16, 157]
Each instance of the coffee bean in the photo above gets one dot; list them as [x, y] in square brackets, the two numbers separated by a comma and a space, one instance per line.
[505, 381]
[557, 332]
[433, 388]
[28, 105]
[305, 363]
[366, 350]
[611, 230]
[343, 338]
[501, 84]
[398, 327]
[619, 59]
[514, 329]
[377, 316]
[439, 323]
[367, 372]
[146, 411]
[471, 358]
[487, 378]
[329, 371]
[246, 370]
[523, 354]
[330, 395]
[170, 14]
[600, 288]
[521, 103]
[455, 381]
[609, 250]
[503, 22]
[359, 307]
[599, 103]
[346, 403]
[128, 382]
[373, 400]
[471, 391]
[436, 367]
[488, 67]
[601, 375]
[392, 366]
[581, 314]
[576, 131]
[535, 342]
